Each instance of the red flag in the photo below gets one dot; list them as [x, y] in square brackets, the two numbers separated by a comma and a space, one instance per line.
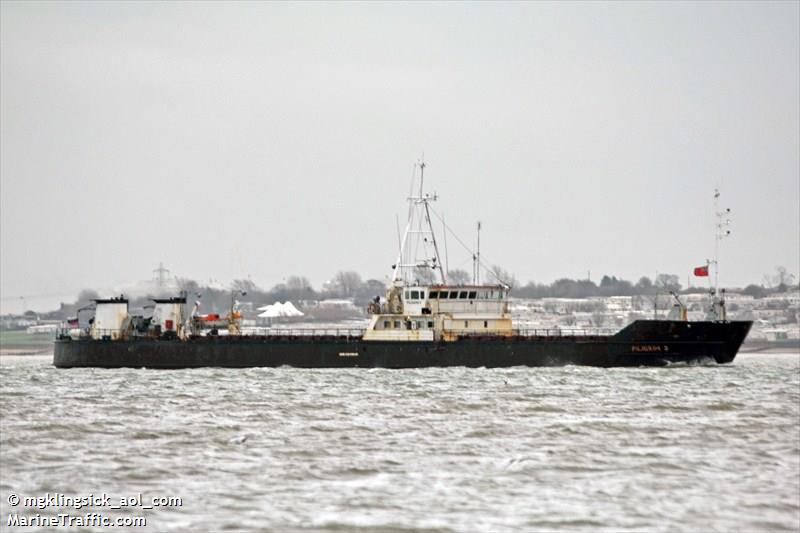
[701, 271]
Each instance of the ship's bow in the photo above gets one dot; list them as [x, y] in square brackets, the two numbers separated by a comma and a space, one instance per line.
[646, 342]
[733, 334]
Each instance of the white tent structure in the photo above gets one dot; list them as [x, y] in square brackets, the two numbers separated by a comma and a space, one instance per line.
[279, 310]
[269, 311]
[291, 310]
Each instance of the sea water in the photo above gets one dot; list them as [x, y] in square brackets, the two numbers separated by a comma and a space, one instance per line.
[441, 449]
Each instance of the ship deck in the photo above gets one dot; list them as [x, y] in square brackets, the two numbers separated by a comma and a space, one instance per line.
[353, 334]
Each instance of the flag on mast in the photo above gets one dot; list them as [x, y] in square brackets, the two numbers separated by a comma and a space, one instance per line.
[701, 271]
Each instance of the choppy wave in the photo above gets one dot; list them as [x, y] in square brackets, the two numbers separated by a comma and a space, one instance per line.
[457, 449]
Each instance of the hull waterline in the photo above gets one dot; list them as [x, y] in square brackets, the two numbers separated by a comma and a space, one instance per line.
[642, 343]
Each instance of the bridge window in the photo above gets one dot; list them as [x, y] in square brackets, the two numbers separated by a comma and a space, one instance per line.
[415, 295]
[386, 324]
[462, 295]
[434, 294]
[397, 324]
[453, 295]
[430, 324]
[472, 295]
[407, 295]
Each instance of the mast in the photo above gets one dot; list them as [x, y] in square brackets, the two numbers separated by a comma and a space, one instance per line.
[418, 233]
[479, 253]
[721, 224]
[476, 260]
[721, 231]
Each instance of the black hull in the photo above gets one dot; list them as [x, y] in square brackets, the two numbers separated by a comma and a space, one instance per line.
[642, 343]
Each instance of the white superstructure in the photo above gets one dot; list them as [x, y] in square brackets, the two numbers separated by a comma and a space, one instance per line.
[168, 315]
[420, 305]
[109, 316]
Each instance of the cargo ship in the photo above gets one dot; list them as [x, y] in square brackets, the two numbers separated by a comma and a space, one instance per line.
[423, 320]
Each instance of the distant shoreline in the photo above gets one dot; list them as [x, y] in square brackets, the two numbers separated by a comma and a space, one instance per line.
[19, 342]
[25, 351]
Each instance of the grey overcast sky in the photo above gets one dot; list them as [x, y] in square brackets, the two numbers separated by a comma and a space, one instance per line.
[267, 139]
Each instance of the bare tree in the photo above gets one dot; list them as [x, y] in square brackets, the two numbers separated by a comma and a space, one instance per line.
[245, 285]
[298, 283]
[668, 282]
[644, 285]
[458, 277]
[347, 282]
[503, 276]
[782, 278]
[188, 285]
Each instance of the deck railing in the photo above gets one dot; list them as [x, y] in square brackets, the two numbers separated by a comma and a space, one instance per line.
[564, 332]
[117, 334]
[304, 332]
